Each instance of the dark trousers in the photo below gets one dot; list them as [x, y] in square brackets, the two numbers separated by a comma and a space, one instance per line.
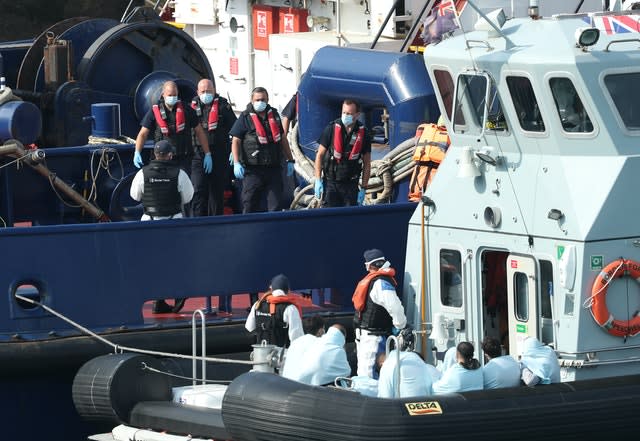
[184, 162]
[208, 196]
[260, 181]
[341, 193]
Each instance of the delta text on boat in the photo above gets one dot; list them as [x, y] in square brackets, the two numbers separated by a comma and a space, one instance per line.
[542, 117]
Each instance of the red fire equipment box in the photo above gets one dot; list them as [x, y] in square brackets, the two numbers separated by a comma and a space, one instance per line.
[265, 23]
[293, 20]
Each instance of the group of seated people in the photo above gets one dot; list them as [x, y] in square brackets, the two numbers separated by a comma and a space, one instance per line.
[319, 358]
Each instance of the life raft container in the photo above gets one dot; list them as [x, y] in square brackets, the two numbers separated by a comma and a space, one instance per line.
[615, 270]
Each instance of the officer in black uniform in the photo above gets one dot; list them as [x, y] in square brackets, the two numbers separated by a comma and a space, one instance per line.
[258, 146]
[216, 118]
[170, 119]
[163, 187]
[344, 153]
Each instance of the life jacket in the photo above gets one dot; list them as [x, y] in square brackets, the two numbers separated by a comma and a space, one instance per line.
[269, 313]
[344, 160]
[161, 196]
[369, 315]
[430, 151]
[160, 114]
[212, 120]
[171, 125]
[261, 146]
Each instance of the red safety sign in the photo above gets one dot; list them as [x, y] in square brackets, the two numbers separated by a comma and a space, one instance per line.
[261, 26]
[288, 23]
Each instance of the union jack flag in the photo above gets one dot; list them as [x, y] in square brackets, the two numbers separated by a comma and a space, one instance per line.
[616, 24]
[445, 7]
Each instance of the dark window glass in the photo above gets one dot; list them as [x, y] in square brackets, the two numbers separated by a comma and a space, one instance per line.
[450, 278]
[526, 104]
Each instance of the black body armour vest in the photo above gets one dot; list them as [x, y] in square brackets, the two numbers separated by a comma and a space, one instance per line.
[161, 196]
[272, 328]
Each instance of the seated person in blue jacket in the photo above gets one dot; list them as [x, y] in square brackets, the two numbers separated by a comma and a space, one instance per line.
[296, 353]
[499, 370]
[415, 376]
[464, 376]
[539, 363]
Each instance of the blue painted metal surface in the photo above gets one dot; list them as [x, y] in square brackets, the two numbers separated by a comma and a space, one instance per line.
[396, 81]
[104, 273]
[20, 120]
[105, 120]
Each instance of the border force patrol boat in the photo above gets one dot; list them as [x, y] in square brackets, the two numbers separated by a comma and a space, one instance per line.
[527, 231]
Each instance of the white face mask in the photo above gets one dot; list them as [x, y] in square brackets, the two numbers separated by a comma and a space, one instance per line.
[171, 100]
[259, 106]
[206, 98]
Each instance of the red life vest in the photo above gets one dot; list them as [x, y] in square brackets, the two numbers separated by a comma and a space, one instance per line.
[161, 118]
[361, 292]
[338, 147]
[213, 113]
[261, 132]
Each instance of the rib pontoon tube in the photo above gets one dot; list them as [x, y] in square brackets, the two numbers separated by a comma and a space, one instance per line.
[261, 406]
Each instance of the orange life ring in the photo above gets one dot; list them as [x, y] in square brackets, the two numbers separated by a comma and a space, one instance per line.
[615, 270]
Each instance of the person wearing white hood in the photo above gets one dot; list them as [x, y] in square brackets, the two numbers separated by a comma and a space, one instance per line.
[539, 363]
[449, 359]
[415, 376]
[297, 351]
[324, 360]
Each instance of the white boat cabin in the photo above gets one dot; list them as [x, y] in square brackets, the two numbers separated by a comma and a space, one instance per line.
[531, 226]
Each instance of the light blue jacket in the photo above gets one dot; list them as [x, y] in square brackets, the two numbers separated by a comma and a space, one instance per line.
[501, 372]
[458, 379]
[415, 376]
[541, 360]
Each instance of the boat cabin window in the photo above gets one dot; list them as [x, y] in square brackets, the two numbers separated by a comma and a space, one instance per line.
[521, 292]
[546, 280]
[572, 113]
[625, 93]
[496, 121]
[471, 98]
[444, 82]
[451, 278]
[525, 103]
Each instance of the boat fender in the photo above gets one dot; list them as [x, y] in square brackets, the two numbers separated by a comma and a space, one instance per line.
[614, 270]
[106, 388]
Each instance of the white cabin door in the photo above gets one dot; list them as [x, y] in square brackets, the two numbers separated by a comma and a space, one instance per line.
[522, 300]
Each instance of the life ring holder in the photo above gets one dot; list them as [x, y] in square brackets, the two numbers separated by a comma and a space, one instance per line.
[598, 301]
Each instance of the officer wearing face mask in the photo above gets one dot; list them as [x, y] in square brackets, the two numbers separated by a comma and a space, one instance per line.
[258, 146]
[171, 120]
[343, 158]
[216, 119]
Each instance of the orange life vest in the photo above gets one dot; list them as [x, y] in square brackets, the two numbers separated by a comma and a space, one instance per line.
[361, 292]
[429, 153]
[274, 300]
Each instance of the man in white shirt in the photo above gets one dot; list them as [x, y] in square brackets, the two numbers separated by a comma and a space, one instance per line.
[277, 317]
[162, 186]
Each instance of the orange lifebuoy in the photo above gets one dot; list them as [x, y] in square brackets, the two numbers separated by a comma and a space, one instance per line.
[615, 270]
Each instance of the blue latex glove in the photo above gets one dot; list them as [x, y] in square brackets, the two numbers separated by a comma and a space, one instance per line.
[395, 331]
[208, 163]
[231, 159]
[238, 170]
[361, 196]
[318, 188]
[290, 168]
[137, 159]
